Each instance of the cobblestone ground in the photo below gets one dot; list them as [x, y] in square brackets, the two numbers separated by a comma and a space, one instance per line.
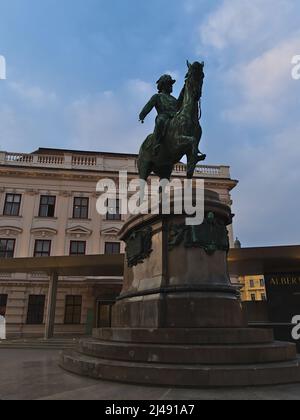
[34, 375]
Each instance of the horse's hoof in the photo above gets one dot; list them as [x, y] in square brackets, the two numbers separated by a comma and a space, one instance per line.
[201, 158]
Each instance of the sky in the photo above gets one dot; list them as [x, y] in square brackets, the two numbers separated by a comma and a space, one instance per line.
[80, 71]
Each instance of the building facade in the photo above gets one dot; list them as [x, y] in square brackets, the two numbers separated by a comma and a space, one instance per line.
[253, 288]
[48, 208]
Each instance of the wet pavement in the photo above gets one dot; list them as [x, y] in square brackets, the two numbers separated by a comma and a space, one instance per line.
[35, 375]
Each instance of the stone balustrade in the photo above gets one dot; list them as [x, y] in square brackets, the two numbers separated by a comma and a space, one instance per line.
[101, 162]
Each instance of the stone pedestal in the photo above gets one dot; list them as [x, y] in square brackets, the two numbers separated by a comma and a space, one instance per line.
[179, 320]
[178, 278]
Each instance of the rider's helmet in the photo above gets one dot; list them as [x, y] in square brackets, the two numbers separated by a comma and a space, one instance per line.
[166, 79]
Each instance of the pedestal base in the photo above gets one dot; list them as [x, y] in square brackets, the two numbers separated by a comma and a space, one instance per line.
[181, 308]
[185, 357]
[179, 320]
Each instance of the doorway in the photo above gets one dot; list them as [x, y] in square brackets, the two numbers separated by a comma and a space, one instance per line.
[104, 313]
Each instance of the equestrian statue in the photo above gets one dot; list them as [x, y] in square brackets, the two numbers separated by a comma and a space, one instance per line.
[177, 129]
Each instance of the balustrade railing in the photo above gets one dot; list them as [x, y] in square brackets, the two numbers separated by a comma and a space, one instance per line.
[84, 160]
[50, 160]
[77, 161]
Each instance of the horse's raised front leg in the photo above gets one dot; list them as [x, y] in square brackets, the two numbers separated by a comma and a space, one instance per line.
[193, 154]
[193, 144]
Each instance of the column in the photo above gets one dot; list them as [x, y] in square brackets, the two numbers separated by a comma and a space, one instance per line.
[51, 306]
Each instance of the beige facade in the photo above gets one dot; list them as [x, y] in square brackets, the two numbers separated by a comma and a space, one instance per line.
[253, 288]
[69, 178]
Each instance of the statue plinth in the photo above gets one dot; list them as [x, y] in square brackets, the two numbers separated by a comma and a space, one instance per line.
[176, 276]
[179, 320]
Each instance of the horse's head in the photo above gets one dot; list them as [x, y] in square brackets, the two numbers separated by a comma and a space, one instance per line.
[194, 78]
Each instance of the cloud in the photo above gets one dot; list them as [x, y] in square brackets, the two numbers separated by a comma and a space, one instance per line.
[254, 42]
[189, 6]
[33, 94]
[109, 121]
[246, 22]
[266, 202]
[14, 129]
[251, 43]
[29, 117]
[139, 88]
[174, 73]
[265, 85]
[8, 125]
[105, 121]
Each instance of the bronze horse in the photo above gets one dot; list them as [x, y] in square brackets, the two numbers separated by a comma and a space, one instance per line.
[183, 134]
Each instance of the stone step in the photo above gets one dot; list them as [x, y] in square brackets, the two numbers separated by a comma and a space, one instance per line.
[57, 348]
[182, 375]
[38, 344]
[189, 354]
[186, 336]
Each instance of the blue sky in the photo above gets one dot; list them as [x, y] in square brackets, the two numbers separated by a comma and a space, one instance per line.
[79, 71]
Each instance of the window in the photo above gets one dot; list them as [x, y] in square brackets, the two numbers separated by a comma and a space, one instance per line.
[113, 210]
[262, 283]
[47, 206]
[3, 303]
[253, 297]
[252, 284]
[42, 248]
[112, 248]
[7, 248]
[81, 208]
[77, 248]
[12, 205]
[263, 297]
[73, 310]
[36, 308]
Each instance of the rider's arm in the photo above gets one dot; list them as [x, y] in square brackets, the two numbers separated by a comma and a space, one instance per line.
[148, 108]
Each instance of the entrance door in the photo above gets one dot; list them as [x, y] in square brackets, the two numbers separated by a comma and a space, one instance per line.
[104, 314]
[3, 303]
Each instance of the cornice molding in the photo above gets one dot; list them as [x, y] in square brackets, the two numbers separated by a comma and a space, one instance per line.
[45, 232]
[10, 231]
[79, 231]
[32, 192]
[110, 234]
[66, 194]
